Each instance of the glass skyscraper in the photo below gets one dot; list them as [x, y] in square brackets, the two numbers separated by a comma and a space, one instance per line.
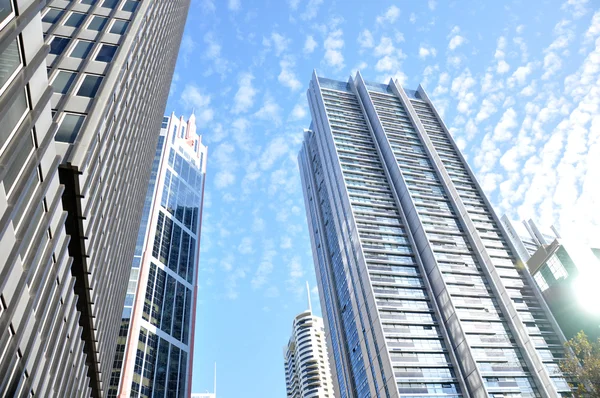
[155, 347]
[420, 291]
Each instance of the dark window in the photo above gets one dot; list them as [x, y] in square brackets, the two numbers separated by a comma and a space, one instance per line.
[106, 53]
[6, 9]
[58, 45]
[75, 20]
[98, 23]
[119, 26]
[89, 2]
[131, 5]
[63, 81]
[82, 49]
[69, 127]
[52, 15]
[15, 168]
[90, 86]
[110, 3]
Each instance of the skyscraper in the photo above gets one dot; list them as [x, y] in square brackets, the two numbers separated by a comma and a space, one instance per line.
[155, 347]
[420, 291]
[75, 164]
[307, 372]
[566, 272]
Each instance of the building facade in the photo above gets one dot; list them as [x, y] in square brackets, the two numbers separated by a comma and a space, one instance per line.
[420, 291]
[40, 334]
[565, 271]
[155, 346]
[83, 86]
[306, 361]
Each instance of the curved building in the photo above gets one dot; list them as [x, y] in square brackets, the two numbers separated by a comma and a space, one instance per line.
[307, 372]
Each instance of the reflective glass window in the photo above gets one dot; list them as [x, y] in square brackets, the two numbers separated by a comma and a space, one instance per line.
[110, 3]
[10, 61]
[131, 5]
[12, 118]
[82, 49]
[58, 45]
[75, 20]
[90, 85]
[63, 81]
[51, 16]
[106, 53]
[119, 26]
[69, 127]
[98, 23]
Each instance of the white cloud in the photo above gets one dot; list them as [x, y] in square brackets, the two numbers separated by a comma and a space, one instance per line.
[299, 112]
[385, 47]
[287, 77]
[244, 97]
[504, 128]
[365, 39]
[311, 10]
[246, 246]
[280, 43]
[431, 4]
[213, 53]
[577, 8]
[234, 5]
[487, 109]
[309, 45]
[224, 179]
[192, 98]
[520, 75]
[412, 18]
[265, 268]
[390, 16]
[502, 67]
[274, 151]
[286, 242]
[333, 44]
[270, 111]
[293, 4]
[425, 52]
[455, 42]
[594, 29]
[552, 64]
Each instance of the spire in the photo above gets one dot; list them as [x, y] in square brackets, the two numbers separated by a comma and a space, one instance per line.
[308, 295]
[215, 386]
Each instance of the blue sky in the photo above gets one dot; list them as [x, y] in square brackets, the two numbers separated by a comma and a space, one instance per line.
[517, 81]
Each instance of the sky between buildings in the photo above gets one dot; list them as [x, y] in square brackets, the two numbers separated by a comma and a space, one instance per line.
[518, 85]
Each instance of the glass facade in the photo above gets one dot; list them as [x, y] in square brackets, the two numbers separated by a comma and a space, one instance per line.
[403, 286]
[167, 253]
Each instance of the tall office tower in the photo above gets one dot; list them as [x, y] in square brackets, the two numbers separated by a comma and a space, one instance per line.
[420, 291]
[307, 372]
[566, 272]
[40, 348]
[155, 348]
[72, 205]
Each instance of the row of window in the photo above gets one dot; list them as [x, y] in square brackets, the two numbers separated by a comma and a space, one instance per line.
[82, 49]
[76, 19]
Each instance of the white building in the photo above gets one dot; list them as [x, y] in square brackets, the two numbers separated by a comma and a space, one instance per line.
[307, 373]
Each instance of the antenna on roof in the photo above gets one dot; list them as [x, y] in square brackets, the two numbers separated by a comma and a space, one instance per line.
[308, 295]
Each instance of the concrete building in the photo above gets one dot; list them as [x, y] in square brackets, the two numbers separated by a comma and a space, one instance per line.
[155, 348]
[74, 165]
[420, 291]
[307, 371]
[566, 272]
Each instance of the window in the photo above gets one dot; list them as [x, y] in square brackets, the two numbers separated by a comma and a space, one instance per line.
[98, 23]
[13, 117]
[110, 3]
[11, 63]
[16, 167]
[130, 5]
[69, 127]
[52, 15]
[106, 53]
[75, 20]
[119, 26]
[58, 45]
[89, 86]
[89, 2]
[82, 49]
[63, 81]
